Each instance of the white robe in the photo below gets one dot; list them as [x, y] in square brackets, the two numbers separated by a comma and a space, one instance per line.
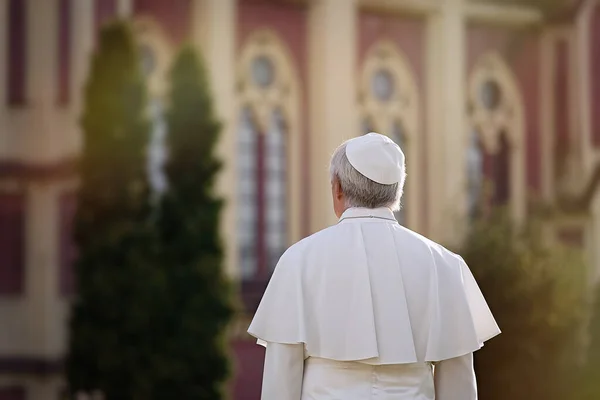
[376, 296]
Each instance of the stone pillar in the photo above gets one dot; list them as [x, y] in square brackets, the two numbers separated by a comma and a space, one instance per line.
[42, 52]
[42, 79]
[124, 8]
[41, 269]
[82, 46]
[546, 114]
[333, 94]
[214, 35]
[585, 75]
[446, 118]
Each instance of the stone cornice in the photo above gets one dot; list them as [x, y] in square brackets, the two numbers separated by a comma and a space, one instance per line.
[24, 171]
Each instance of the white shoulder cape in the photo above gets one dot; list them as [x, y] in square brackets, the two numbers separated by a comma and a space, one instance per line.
[368, 289]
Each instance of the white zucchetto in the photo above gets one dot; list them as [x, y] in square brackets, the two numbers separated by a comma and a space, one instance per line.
[376, 157]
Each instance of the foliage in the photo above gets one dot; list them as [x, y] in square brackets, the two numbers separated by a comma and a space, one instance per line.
[195, 362]
[153, 303]
[590, 378]
[539, 297]
[119, 288]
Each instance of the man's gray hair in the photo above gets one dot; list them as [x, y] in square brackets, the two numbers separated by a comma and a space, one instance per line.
[359, 190]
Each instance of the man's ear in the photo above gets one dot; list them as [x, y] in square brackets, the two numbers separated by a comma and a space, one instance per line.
[337, 189]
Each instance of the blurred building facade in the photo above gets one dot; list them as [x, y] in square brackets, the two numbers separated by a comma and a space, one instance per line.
[493, 102]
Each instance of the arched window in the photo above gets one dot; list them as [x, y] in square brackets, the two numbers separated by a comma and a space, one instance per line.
[390, 106]
[268, 200]
[495, 158]
[475, 174]
[276, 189]
[501, 172]
[248, 176]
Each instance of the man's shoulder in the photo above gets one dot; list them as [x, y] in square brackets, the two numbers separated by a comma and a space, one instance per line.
[327, 239]
[419, 239]
[317, 238]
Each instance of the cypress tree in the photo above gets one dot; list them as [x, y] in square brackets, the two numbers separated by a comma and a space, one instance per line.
[195, 363]
[118, 288]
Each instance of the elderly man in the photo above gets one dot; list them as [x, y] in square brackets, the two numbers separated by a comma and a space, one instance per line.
[366, 308]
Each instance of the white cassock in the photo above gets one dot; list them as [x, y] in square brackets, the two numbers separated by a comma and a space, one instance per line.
[364, 310]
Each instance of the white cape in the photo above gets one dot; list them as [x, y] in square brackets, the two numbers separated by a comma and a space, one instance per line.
[368, 289]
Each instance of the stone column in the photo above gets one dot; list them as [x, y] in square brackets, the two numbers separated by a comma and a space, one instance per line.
[584, 81]
[42, 52]
[446, 118]
[214, 35]
[82, 46]
[547, 114]
[42, 79]
[124, 8]
[333, 94]
[41, 269]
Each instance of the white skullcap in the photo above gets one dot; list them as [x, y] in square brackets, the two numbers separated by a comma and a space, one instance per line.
[376, 157]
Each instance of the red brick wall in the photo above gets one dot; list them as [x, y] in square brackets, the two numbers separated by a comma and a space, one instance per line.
[521, 52]
[595, 75]
[173, 15]
[289, 22]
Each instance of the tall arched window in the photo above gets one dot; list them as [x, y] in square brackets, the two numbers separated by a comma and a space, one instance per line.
[268, 174]
[495, 157]
[275, 189]
[390, 106]
[501, 172]
[247, 193]
[475, 174]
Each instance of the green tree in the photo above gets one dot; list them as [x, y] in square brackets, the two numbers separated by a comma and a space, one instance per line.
[540, 298]
[590, 385]
[194, 361]
[118, 288]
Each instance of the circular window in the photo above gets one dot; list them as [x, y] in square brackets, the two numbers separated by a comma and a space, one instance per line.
[382, 85]
[147, 59]
[490, 94]
[262, 71]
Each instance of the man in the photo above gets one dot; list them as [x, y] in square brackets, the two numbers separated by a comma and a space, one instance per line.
[365, 309]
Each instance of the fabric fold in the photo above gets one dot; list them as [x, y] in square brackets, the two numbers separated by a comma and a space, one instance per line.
[370, 290]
